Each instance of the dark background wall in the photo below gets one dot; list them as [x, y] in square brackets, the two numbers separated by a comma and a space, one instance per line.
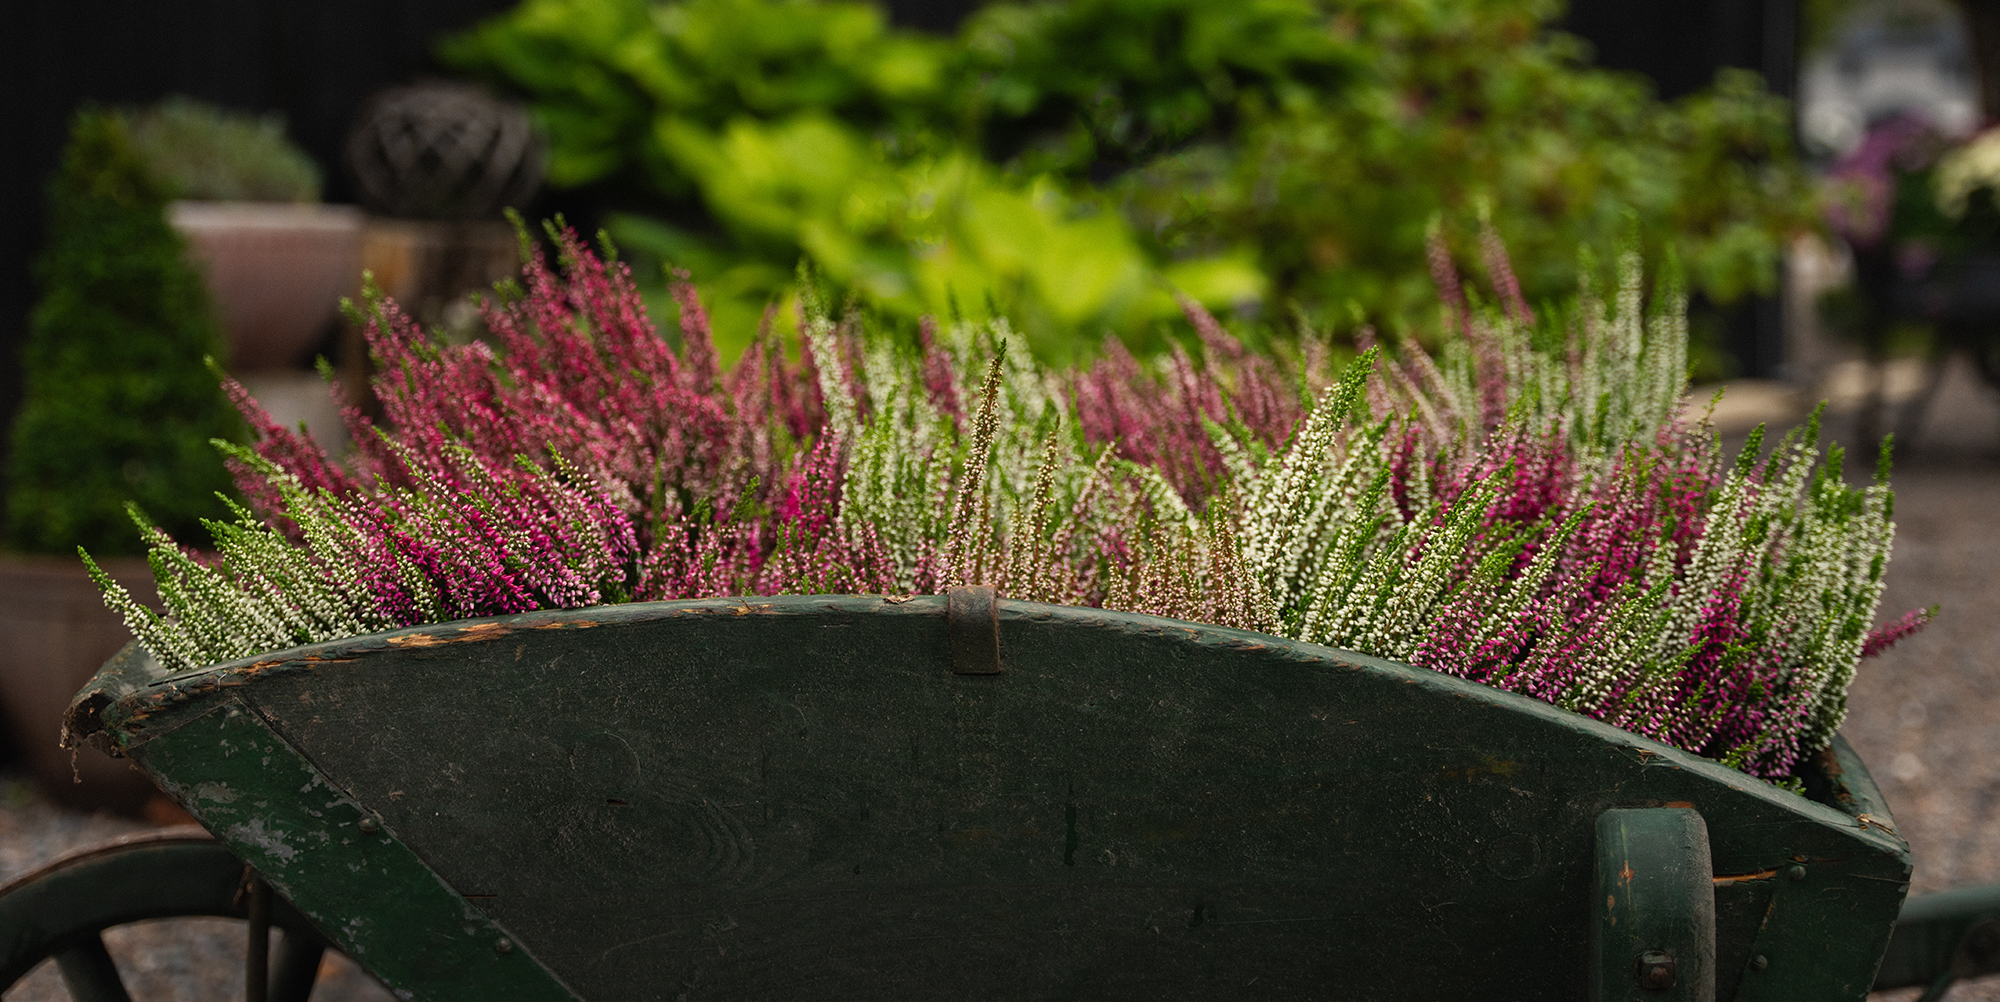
[1680, 44]
[316, 61]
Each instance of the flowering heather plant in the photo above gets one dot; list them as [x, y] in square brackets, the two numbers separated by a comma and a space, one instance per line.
[1525, 510]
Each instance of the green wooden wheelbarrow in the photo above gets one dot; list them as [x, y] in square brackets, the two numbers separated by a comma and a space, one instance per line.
[954, 797]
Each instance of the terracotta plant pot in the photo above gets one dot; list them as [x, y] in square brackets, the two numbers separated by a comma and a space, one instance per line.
[430, 266]
[54, 633]
[276, 271]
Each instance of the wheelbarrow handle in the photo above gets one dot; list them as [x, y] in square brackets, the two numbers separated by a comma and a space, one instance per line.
[1942, 937]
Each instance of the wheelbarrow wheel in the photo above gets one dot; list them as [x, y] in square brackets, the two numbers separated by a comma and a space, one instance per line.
[61, 911]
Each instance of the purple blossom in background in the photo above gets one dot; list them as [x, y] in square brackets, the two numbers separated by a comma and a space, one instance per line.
[1867, 175]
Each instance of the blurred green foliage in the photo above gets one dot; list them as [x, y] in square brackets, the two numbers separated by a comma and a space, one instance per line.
[1070, 163]
[768, 130]
[199, 151]
[1088, 87]
[119, 404]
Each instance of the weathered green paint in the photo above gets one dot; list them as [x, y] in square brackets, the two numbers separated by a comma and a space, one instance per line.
[797, 797]
[368, 893]
[1816, 899]
[1654, 896]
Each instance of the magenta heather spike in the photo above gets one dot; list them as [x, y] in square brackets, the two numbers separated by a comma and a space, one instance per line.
[940, 378]
[1884, 637]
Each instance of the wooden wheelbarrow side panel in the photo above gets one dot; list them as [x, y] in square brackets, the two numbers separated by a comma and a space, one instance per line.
[364, 891]
[793, 797]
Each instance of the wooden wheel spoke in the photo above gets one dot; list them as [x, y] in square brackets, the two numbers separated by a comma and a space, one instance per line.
[90, 974]
[296, 969]
[61, 911]
[257, 956]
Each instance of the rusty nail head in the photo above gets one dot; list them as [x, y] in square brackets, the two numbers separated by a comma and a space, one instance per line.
[368, 826]
[503, 945]
[1796, 872]
[1656, 970]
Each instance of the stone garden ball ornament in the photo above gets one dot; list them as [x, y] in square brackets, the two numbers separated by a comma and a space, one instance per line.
[444, 150]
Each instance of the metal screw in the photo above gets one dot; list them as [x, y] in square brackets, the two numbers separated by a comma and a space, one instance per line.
[503, 945]
[368, 826]
[1796, 872]
[1759, 962]
[1656, 970]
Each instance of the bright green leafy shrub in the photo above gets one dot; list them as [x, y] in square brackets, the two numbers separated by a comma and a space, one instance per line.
[1288, 151]
[118, 402]
[771, 130]
[616, 80]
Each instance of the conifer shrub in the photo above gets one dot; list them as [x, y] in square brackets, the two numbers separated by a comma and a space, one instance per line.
[119, 404]
[1527, 509]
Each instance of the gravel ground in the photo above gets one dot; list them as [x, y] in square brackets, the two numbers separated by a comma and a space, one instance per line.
[1926, 715]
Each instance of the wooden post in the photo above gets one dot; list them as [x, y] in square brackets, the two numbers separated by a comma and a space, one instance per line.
[1654, 897]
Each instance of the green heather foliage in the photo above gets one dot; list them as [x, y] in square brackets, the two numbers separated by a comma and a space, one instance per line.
[1073, 161]
[201, 152]
[1526, 509]
[119, 404]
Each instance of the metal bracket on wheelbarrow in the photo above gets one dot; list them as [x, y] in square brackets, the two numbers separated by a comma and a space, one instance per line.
[972, 618]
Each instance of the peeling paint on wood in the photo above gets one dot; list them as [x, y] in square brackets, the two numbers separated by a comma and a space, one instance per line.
[318, 848]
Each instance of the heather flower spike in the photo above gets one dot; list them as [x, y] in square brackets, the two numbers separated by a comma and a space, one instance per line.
[1536, 519]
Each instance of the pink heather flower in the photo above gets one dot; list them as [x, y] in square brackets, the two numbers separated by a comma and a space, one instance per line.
[1886, 636]
[571, 456]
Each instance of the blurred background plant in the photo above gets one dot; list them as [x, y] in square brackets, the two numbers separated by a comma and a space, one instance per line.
[1891, 311]
[1895, 108]
[1501, 120]
[750, 134]
[1072, 163]
[201, 152]
[119, 404]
